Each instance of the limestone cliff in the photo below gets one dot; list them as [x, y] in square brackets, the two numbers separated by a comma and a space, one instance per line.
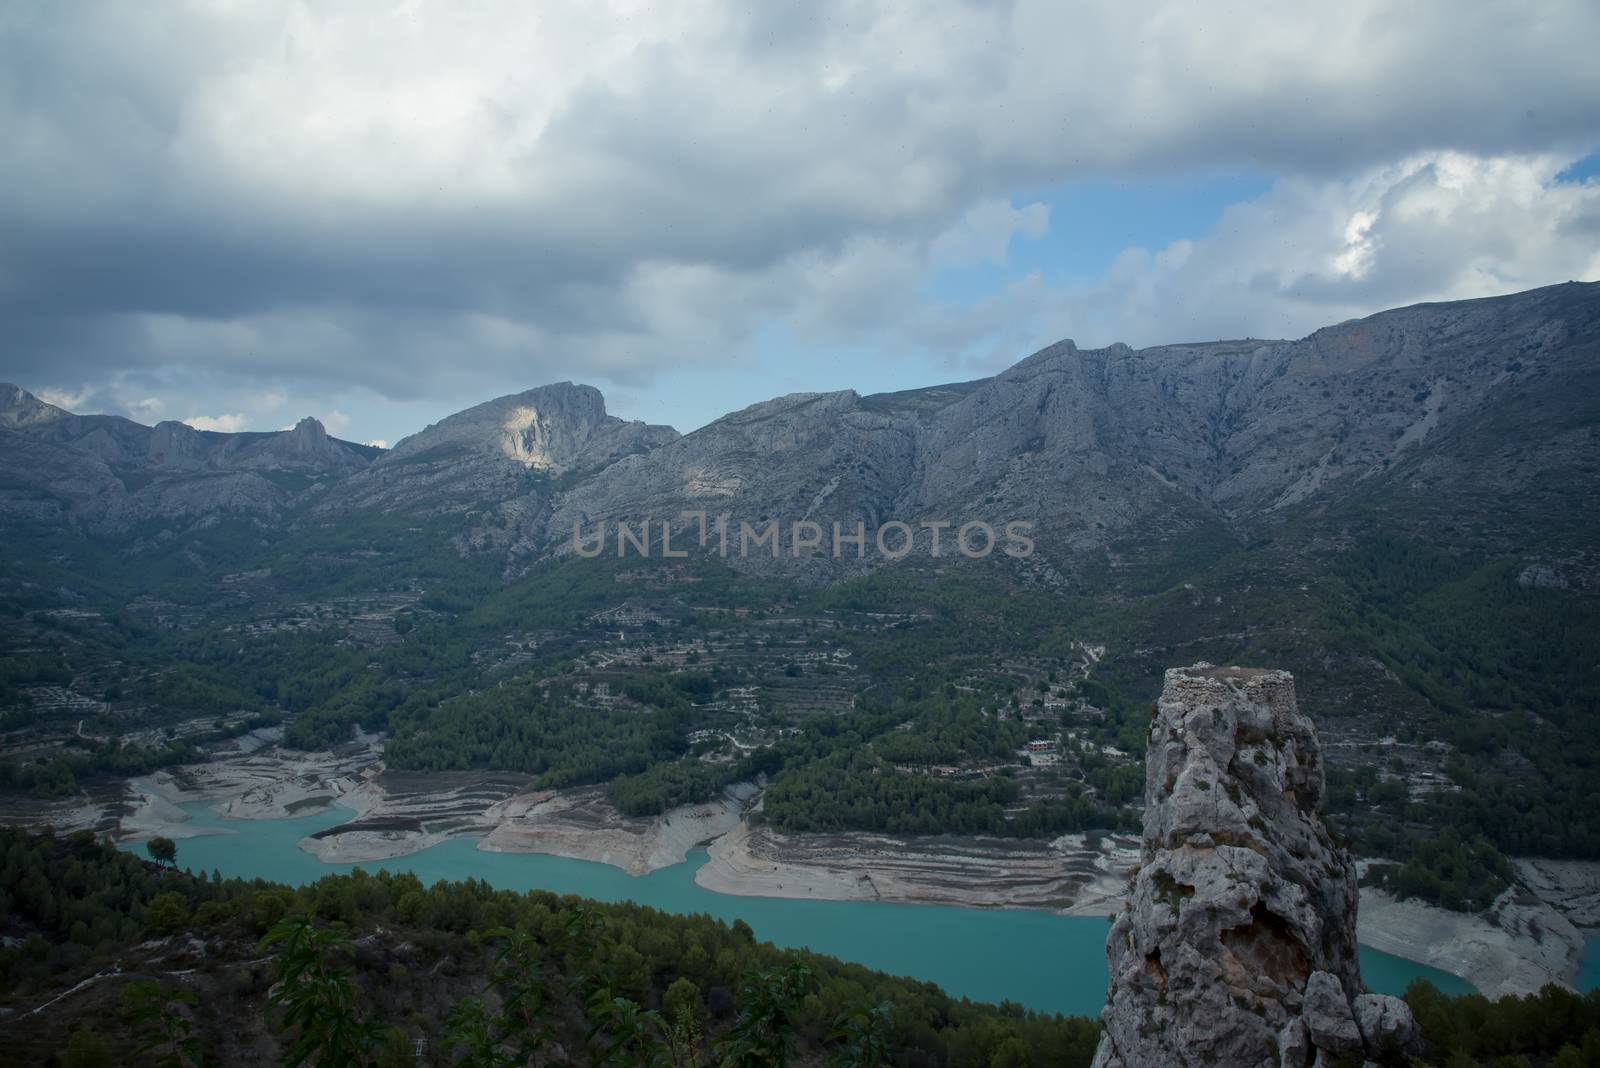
[501, 457]
[1238, 944]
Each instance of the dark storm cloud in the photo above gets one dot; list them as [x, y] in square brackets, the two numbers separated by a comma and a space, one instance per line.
[385, 195]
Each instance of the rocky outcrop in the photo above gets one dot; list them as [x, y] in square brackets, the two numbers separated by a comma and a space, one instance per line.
[506, 453]
[550, 429]
[1238, 944]
[1571, 886]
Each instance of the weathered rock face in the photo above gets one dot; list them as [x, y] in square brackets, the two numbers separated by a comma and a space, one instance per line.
[505, 454]
[1238, 945]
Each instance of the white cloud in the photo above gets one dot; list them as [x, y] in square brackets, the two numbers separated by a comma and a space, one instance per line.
[430, 198]
[71, 400]
[1311, 252]
[499, 106]
[1355, 259]
[984, 233]
[227, 424]
[146, 409]
[116, 395]
[377, 443]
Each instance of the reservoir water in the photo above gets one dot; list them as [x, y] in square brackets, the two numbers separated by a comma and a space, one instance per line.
[1047, 962]
[1589, 971]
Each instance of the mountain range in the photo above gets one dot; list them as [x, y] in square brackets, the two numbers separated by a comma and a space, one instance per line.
[1400, 509]
[1478, 417]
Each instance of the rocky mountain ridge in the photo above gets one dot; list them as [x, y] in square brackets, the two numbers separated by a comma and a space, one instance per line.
[1430, 415]
[106, 474]
[1238, 945]
[1097, 446]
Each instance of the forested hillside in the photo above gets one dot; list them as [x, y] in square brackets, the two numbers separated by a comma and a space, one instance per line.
[112, 960]
[138, 963]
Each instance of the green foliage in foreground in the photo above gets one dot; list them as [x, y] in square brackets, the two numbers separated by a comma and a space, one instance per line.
[624, 983]
[317, 996]
[1554, 1027]
[614, 984]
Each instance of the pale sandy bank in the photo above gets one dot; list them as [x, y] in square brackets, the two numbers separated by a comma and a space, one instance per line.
[1517, 947]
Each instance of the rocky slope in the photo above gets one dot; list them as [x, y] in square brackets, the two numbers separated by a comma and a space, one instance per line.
[1238, 946]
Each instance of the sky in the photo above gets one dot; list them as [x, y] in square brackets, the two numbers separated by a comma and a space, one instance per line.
[236, 213]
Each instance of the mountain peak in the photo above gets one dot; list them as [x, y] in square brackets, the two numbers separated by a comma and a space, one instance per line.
[19, 408]
[310, 429]
[548, 429]
[565, 389]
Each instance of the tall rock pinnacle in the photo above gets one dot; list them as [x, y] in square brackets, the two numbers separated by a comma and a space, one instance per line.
[1238, 944]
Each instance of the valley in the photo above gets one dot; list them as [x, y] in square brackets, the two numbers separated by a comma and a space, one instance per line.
[836, 535]
[894, 935]
[394, 816]
[276, 626]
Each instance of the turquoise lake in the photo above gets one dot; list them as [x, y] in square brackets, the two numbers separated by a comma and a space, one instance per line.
[1047, 962]
[1589, 970]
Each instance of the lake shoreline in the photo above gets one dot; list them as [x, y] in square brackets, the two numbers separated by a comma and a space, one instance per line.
[1519, 946]
[1033, 957]
[1070, 875]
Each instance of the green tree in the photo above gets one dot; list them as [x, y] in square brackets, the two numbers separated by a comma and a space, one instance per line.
[635, 1037]
[1012, 1053]
[1585, 1056]
[163, 851]
[764, 1031]
[167, 913]
[524, 1022]
[317, 996]
[171, 1042]
[683, 1001]
[476, 1033]
[868, 1035]
[86, 1049]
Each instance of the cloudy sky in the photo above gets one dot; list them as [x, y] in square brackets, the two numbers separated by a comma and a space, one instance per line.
[238, 213]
